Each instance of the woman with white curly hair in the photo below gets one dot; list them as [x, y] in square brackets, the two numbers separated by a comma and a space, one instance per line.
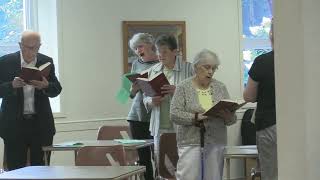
[192, 98]
[139, 119]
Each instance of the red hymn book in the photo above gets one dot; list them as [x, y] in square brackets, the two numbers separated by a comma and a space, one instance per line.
[152, 87]
[34, 73]
[224, 104]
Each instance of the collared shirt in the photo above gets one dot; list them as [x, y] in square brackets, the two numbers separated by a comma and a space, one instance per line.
[168, 73]
[165, 105]
[181, 71]
[28, 90]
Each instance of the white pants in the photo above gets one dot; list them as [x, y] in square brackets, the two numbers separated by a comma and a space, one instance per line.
[189, 163]
[267, 148]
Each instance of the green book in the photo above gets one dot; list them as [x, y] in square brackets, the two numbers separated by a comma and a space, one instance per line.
[129, 141]
[69, 144]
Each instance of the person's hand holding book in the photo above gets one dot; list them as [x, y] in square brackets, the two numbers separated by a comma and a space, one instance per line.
[199, 118]
[202, 117]
[18, 82]
[134, 89]
[168, 89]
[40, 84]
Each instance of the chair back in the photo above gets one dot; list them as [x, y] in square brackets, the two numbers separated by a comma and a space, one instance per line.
[113, 132]
[168, 155]
[119, 132]
[101, 156]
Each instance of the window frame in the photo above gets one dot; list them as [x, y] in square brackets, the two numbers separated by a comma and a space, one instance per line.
[31, 14]
[248, 44]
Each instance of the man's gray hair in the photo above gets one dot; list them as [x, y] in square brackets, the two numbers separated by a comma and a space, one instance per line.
[206, 56]
[140, 38]
[27, 34]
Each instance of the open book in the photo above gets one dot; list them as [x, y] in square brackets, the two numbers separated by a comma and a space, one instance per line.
[34, 73]
[133, 76]
[152, 87]
[224, 104]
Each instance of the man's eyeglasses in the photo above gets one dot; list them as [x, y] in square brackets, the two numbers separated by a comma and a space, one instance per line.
[31, 48]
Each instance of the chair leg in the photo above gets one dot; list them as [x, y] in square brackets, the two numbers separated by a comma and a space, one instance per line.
[255, 174]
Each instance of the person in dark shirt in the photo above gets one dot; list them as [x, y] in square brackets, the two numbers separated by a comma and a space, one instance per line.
[261, 89]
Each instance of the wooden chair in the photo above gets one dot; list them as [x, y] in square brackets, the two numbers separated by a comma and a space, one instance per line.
[113, 132]
[101, 156]
[168, 156]
[119, 132]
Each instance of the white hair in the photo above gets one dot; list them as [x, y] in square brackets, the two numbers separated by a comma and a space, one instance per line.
[140, 38]
[206, 56]
[28, 34]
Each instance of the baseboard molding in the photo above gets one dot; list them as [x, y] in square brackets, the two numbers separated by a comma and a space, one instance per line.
[87, 125]
[62, 121]
[63, 125]
[90, 120]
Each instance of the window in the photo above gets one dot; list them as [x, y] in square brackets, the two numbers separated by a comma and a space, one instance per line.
[15, 17]
[256, 21]
[11, 25]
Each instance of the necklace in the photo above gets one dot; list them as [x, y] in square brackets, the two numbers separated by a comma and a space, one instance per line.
[199, 85]
[205, 92]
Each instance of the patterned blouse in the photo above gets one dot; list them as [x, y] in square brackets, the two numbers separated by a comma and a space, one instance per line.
[184, 105]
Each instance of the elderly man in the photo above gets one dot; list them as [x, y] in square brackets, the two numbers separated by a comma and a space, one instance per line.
[26, 120]
[176, 70]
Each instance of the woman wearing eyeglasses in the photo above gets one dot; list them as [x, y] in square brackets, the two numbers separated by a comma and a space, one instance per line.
[192, 98]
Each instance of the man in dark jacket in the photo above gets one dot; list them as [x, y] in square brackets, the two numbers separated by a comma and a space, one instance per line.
[26, 120]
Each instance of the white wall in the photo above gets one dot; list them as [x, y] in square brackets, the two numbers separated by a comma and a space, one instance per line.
[90, 51]
[297, 37]
[90, 55]
[91, 41]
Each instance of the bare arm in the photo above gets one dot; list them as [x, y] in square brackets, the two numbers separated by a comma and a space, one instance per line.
[250, 93]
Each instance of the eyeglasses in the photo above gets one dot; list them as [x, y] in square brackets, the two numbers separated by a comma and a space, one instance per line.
[31, 48]
[210, 67]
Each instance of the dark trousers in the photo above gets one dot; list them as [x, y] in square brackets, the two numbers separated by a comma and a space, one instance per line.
[140, 130]
[28, 137]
